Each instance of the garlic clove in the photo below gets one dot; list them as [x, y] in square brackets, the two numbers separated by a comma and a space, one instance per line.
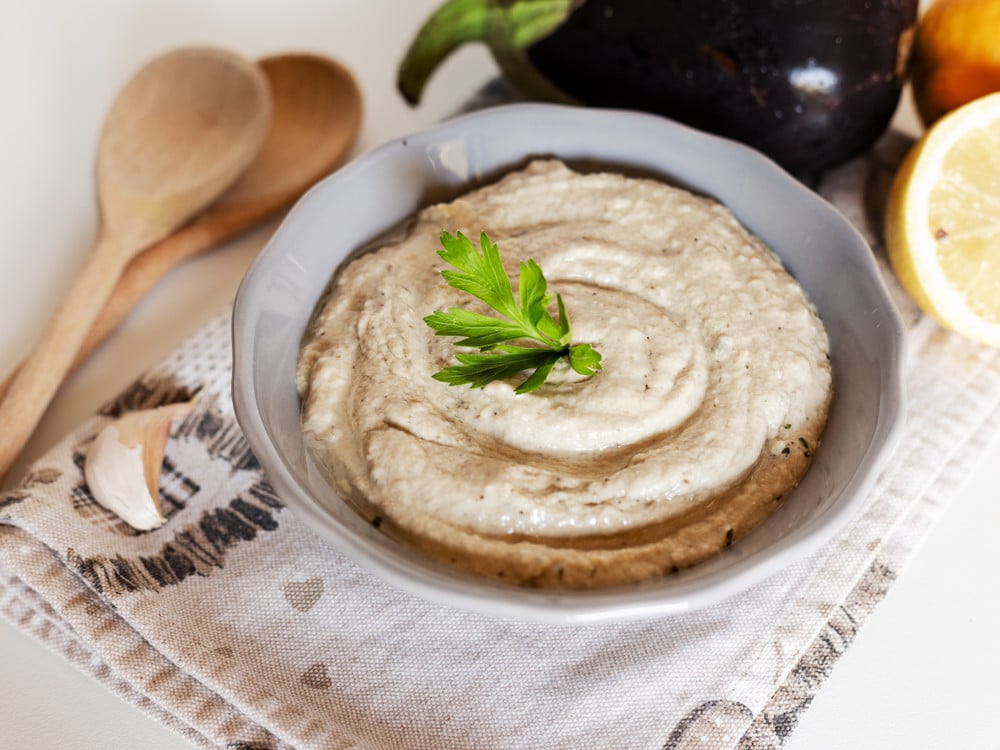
[125, 460]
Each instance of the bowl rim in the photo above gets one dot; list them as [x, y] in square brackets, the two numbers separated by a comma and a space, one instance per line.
[568, 606]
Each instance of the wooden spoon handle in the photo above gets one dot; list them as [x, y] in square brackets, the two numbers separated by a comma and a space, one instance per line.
[139, 277]
[41, 373]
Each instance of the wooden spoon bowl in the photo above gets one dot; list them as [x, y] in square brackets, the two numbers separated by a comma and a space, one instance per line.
[181, 131]
[317, 115]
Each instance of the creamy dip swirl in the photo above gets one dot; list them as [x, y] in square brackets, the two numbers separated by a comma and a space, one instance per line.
[714, 365]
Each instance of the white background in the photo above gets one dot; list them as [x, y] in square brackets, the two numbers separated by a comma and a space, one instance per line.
[921, 674]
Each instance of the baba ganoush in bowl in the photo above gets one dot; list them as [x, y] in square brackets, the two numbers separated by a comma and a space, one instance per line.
[746, 393]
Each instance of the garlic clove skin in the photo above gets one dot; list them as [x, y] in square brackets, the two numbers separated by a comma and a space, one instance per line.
[124, 463]
[116, 476]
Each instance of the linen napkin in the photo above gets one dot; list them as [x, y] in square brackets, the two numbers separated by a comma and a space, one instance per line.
[239, 628]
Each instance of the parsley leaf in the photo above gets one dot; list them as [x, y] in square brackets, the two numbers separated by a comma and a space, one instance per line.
[481, 274]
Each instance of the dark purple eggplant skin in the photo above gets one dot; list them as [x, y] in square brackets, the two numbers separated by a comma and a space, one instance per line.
[810, 83]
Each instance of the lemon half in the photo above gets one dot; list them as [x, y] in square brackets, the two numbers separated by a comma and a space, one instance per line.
[943, 221]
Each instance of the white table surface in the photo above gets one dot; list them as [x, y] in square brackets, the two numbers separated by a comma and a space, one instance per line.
[921, 673]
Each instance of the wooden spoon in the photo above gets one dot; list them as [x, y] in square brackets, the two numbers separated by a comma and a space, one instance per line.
[316, 118]
[179, 133]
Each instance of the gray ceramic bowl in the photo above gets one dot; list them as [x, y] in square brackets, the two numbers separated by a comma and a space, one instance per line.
[381, 188]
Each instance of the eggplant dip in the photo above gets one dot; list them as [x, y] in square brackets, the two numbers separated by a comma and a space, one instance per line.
[714, 387]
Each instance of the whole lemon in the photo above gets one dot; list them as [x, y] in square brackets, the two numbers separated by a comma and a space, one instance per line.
[957, 55]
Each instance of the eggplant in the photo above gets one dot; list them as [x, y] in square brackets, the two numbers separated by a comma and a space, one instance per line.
[811, 83]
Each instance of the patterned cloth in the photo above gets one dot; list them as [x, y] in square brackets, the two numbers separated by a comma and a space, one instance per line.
[239, 628]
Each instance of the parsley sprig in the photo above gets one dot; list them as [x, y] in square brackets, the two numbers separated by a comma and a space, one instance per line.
[526, 319]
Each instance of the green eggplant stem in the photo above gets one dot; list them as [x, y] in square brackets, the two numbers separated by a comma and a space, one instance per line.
[507, 26]
[449, 27]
